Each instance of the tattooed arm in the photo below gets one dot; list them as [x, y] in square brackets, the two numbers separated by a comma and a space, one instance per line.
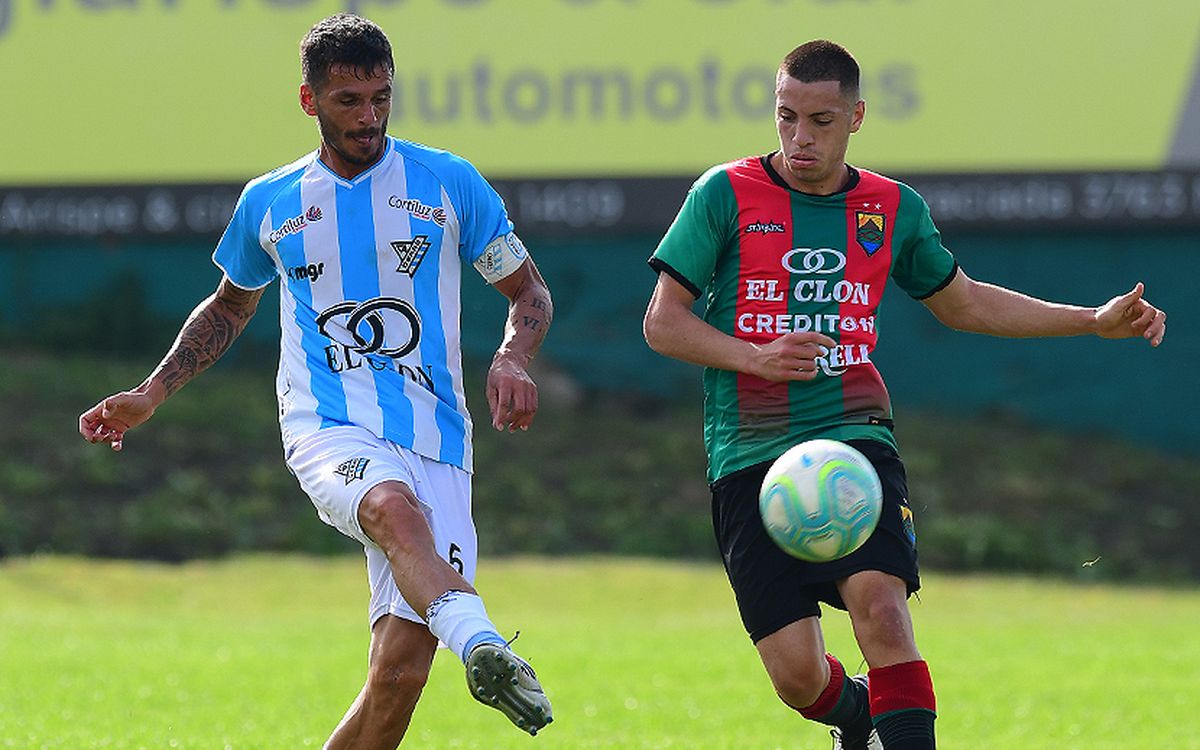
[512, 394]
[206, 335]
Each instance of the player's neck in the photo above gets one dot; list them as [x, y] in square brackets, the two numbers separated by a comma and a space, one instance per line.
[839, 180]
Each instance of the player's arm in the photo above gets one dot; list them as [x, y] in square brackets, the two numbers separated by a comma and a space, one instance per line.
[969, 305]
[206, 335]
[674, 330]
[512, 394]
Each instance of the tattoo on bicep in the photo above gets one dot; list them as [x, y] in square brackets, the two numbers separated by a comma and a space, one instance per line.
[532, 324]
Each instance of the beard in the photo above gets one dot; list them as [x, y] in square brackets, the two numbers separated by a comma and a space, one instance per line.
[346, 148]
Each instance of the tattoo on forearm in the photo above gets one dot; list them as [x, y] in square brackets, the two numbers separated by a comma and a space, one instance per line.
[207, 335]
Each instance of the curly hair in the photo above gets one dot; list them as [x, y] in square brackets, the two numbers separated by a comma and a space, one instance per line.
[344, 39]
[823, 60]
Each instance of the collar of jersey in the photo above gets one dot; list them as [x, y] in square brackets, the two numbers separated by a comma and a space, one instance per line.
[777, 178]
[361, 176]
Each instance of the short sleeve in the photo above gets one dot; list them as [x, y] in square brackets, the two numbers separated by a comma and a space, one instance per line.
[239, 254]
[482, 215]
[700, 232]
[923, 266]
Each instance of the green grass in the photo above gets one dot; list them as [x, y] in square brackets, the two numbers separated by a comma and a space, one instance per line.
[266, 652]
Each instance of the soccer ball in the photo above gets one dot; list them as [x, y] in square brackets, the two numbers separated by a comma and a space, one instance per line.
[820, 500]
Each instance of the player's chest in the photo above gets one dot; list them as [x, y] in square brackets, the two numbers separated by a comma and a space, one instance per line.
[381, 233]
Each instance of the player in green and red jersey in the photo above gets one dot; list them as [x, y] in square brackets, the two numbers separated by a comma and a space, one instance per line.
[792, 252]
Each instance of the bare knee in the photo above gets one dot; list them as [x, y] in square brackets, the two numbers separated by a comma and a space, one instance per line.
[884, 621]
[799, 680]
[391, 516]
[398, 684]
[800, 690]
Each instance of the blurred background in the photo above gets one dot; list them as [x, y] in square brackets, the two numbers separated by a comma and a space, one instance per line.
[1058, 145]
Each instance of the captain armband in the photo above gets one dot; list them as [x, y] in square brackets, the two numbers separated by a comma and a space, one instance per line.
[501, 257]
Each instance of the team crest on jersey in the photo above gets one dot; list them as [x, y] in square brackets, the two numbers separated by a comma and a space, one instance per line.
[411, 253]
[352, 469]
[869, 230]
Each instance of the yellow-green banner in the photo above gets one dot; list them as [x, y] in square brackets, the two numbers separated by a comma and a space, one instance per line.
[122, 91]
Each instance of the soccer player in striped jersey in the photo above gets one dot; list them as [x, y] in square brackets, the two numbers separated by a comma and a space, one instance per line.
[367, 236]
[791, 252]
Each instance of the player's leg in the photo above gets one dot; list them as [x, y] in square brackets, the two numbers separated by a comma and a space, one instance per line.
[780, 613]
[876, 596]
[393, 518]
[814, 682]
[413, 517]
[903, 707]
[400, 657]
[404, 527]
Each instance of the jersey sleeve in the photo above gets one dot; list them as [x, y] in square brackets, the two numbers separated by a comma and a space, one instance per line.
[239, 254]
[700, 232]
[923, 266]
[482, 215]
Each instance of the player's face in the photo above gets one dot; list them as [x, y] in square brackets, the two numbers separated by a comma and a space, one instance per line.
[352, 110]
[815, 122]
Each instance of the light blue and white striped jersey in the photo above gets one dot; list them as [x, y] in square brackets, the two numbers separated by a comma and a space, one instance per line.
[370, 299]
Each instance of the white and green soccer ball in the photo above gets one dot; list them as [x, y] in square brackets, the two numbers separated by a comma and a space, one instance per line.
[820, 500]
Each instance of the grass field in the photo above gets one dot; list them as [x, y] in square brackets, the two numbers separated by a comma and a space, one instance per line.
[266, 652]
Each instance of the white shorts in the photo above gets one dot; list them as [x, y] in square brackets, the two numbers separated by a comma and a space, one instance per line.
[339, 465]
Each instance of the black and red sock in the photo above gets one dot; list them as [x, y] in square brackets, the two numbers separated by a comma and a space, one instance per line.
[843, 703]
[903, 706]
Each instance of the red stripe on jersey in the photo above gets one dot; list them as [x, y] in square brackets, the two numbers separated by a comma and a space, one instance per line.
[764, 224]
[870, 222]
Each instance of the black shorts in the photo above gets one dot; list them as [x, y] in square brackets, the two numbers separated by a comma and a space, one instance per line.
[774, 589]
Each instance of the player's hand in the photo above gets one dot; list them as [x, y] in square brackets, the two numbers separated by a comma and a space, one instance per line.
[1131, 315]
[792, 356]
[108, 421]
[512, 395]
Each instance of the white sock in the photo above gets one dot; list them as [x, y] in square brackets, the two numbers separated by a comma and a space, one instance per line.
[459, 620]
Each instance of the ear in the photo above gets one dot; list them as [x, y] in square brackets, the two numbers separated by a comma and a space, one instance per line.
[860, 111]
[308, 100]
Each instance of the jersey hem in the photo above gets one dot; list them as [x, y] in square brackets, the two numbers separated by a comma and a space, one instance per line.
[661, 266]
[945, 283]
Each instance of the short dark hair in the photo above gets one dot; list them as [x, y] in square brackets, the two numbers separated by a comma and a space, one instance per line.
[823, 60]
[344, 39]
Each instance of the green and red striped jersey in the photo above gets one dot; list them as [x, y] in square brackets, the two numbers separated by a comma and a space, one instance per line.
[769, 260]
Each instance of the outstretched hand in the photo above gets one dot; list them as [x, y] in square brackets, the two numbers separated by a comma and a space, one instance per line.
[109, 420]
[1131, 315]
[512, 395]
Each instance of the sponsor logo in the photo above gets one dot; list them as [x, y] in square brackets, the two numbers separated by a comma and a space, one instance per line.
[383, 325]
[869, 230]
[782, 323]
[419, 210]
[295, 224]
[764, 227]
[822, 260]
[311, 272]
[352, 469]
[411, 253]
[341, 358]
